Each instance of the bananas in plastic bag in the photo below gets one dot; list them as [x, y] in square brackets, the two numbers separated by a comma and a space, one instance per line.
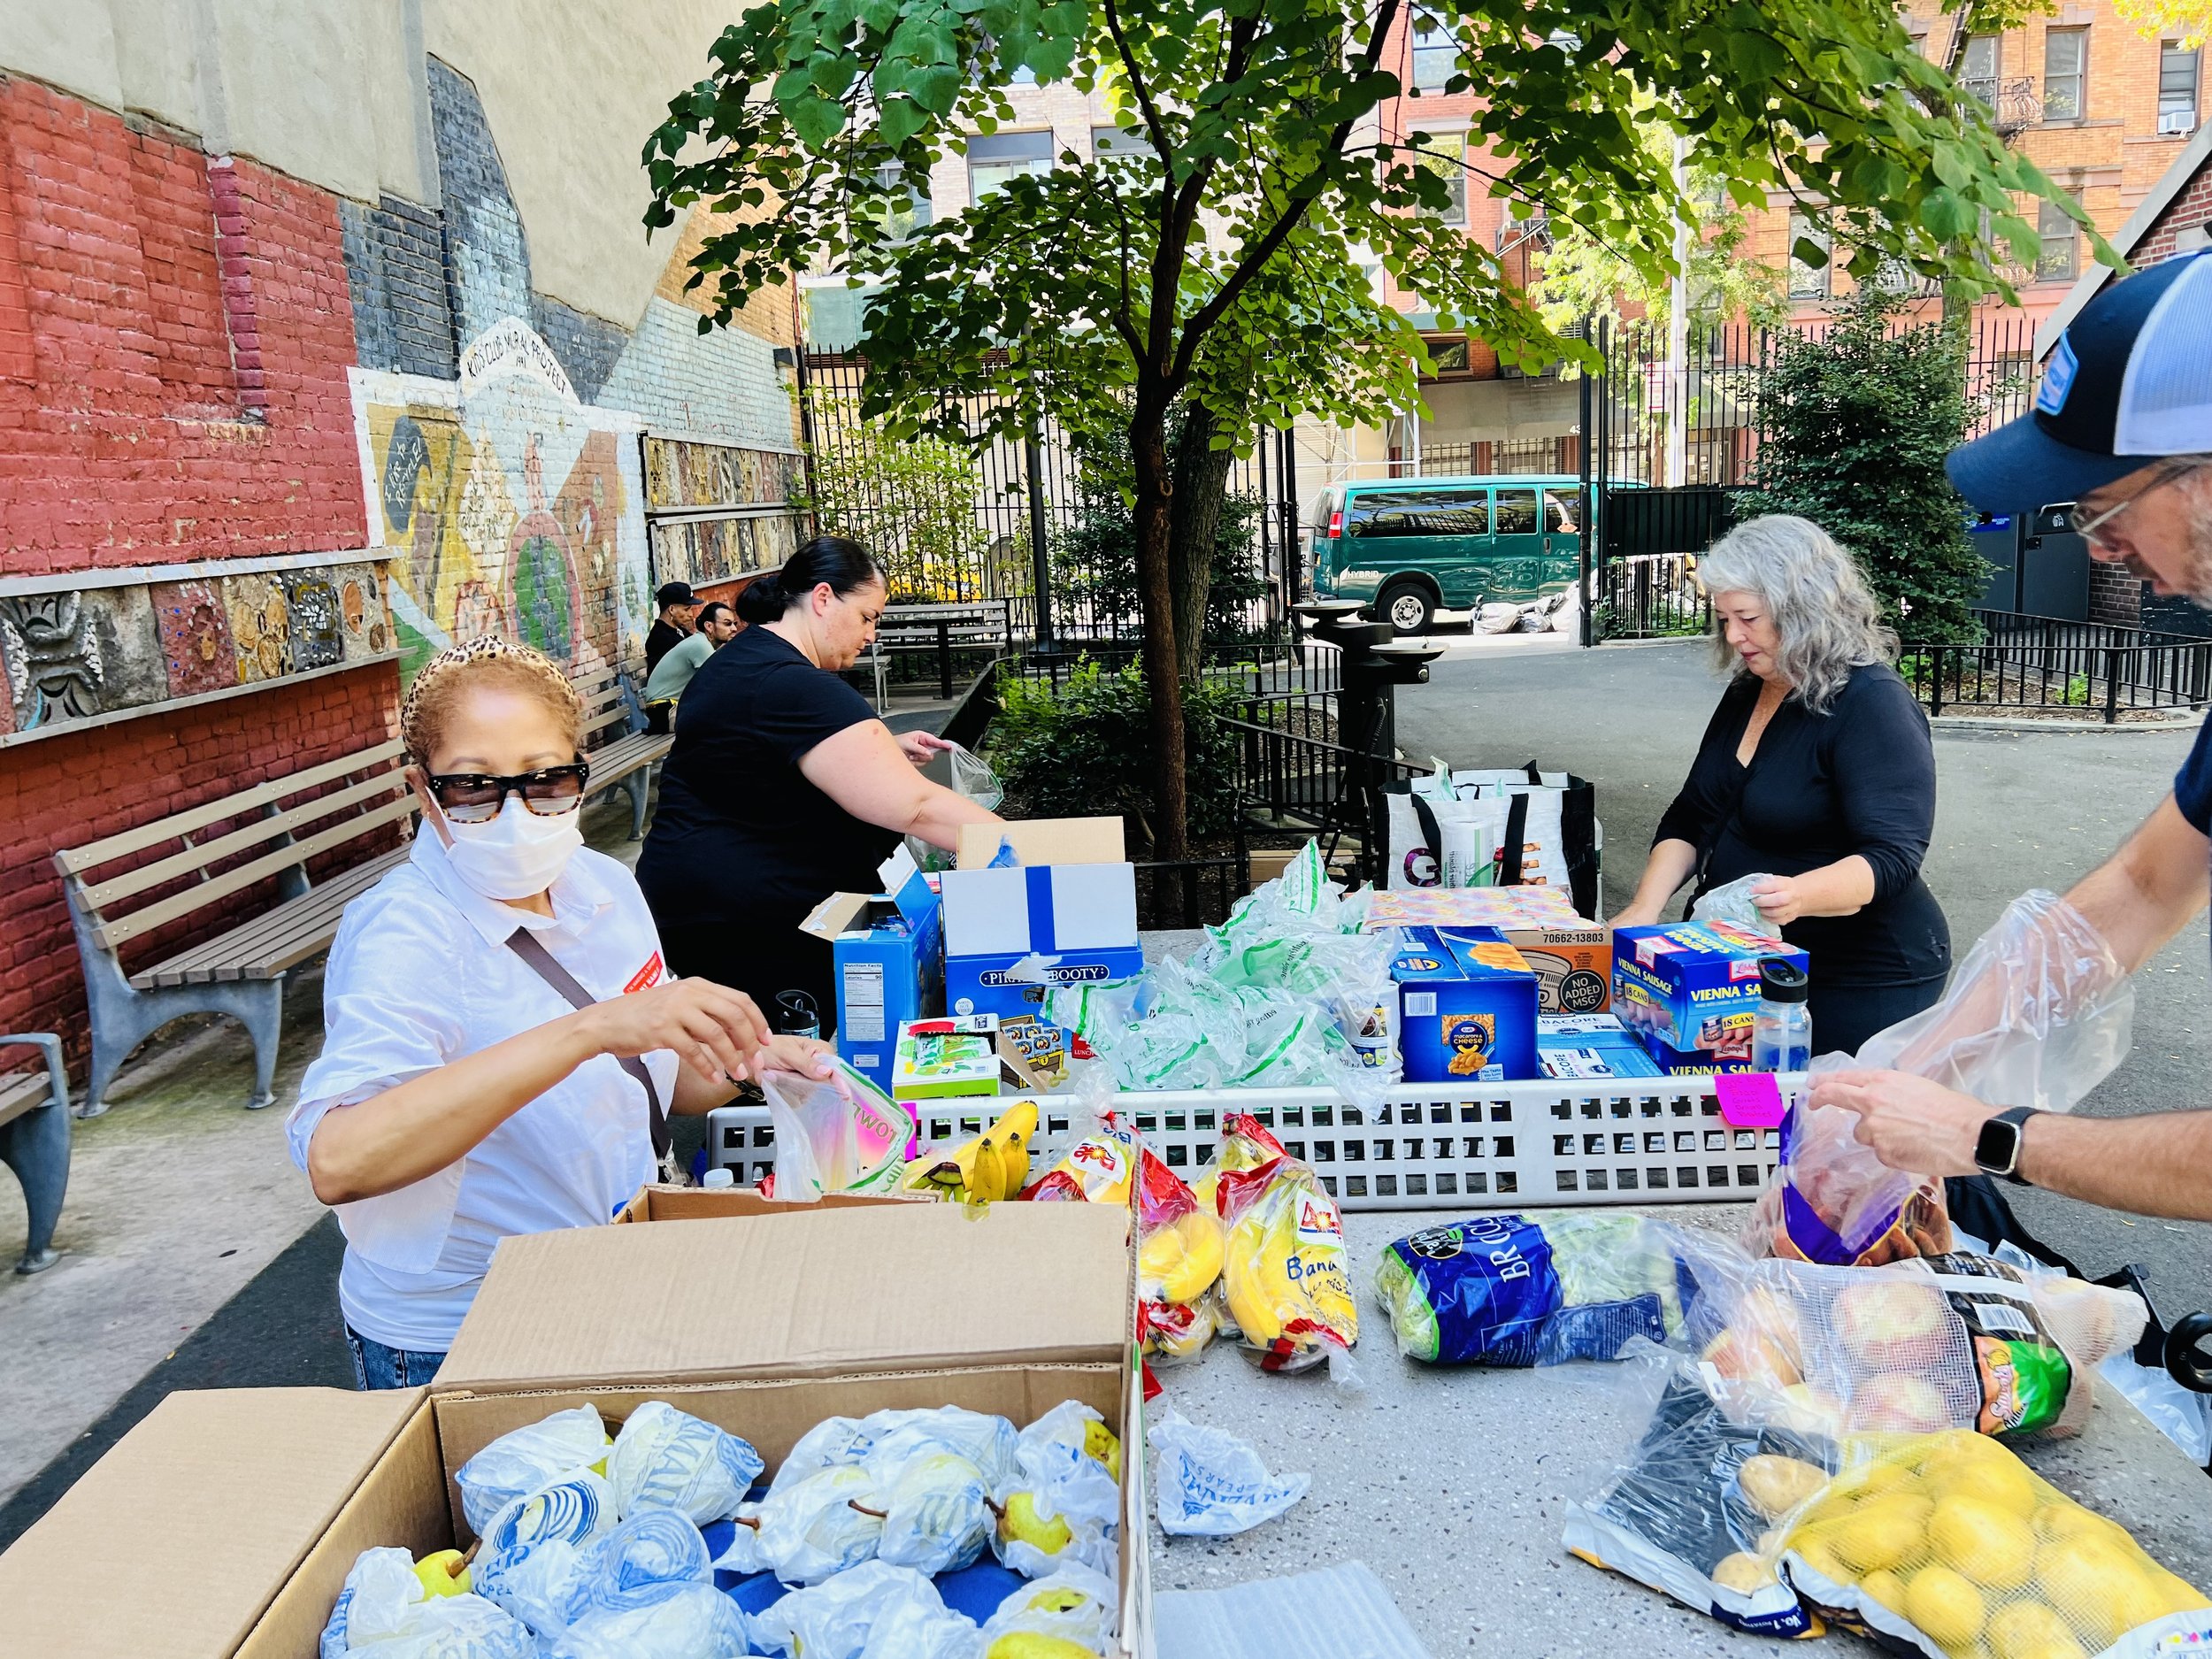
[1283, 1272]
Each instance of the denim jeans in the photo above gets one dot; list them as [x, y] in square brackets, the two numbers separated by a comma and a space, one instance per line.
[376, 1366]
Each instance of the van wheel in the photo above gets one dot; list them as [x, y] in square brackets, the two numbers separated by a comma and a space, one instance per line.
[1408, 608]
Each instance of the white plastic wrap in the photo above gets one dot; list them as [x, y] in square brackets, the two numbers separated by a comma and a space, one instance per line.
[666, 1459]
[1212, 1485]
[1075, 1604]
[1065, 1503]
[820, 1526]
[1732, 903]
[384, 1611]
[536, 1456]
[886, 1439]
[937, 1516]
[874, 1611]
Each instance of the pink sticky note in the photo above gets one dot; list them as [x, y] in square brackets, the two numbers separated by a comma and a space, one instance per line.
[1749, 1100]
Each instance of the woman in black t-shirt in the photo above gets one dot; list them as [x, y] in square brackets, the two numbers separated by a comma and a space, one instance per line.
[1816, 769]
[783, 787]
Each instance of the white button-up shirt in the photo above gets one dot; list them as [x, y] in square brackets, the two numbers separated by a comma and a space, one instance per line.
[421, 975]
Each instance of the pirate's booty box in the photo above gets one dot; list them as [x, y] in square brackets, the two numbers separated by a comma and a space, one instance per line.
[1466, 1007]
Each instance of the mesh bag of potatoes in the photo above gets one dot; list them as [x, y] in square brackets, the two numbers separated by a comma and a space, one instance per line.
[1950, 1543]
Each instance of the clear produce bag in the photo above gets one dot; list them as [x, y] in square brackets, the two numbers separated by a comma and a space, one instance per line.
[2038, 1015]
[1734, 902]
[836, 1134]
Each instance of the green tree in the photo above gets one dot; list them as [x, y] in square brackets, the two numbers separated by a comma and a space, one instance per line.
[912, 502]
[1212, 256]
[1856, 424]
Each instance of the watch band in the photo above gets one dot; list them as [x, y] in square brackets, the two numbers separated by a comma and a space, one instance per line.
[2016, 1118]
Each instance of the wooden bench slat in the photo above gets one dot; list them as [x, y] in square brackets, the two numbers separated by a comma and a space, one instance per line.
[277, 940]
[192, 859]
[22, 1092]
[611, 764]
[119, 932]
[75, 861]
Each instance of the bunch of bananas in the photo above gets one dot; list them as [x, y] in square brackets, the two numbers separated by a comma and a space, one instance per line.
[989, 1167]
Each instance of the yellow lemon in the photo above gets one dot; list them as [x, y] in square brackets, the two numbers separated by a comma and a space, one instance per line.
[2029, 1629]
[1887, 1587]
[1990, 1544]
[1946, 1606]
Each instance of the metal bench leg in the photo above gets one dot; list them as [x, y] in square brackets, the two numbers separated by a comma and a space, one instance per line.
[258, 1005]
[36, 1146]
[636, 783]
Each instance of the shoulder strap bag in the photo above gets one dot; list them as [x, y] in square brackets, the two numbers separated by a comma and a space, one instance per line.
[525, 944]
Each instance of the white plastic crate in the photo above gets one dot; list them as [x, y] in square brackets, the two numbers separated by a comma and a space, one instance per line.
[1642, 1140]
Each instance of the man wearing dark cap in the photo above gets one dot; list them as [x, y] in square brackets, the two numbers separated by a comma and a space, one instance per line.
[2122, 428]
[678, 614]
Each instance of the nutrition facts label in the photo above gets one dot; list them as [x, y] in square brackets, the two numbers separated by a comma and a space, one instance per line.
[863, 1013]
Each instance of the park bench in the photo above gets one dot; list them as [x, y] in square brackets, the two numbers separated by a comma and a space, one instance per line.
[614, 718]
[941, 629]
[239, 971]
[34, 1140]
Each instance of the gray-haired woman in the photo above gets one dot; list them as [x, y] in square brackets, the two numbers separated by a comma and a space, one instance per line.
[1817, 769]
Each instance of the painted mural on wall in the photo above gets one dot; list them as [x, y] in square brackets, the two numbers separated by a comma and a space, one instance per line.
[72, 655]
[686, 480]
[505, 505]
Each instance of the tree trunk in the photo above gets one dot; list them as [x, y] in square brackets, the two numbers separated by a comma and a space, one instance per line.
[1162, 673]
[1202, 478]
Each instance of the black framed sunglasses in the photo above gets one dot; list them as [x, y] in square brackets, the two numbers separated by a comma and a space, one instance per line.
[477, 797]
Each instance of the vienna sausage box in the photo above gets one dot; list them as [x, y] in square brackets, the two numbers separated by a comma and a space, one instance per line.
[1689, 990]
[1466, 1007]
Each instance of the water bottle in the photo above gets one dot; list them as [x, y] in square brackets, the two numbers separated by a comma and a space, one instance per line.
[796, 1015]
[1782, 1029]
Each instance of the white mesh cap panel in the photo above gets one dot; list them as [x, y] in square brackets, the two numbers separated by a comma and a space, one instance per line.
[2166, 397]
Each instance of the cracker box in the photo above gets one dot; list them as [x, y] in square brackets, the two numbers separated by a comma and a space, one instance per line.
[1466, 1007]
[1574, 965]
[1689, 990]
[887, 955]
[939, 1059]
[1526, 906]
[1576, 1046]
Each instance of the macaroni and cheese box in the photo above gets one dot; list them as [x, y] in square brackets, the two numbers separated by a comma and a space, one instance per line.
[1526, 906]
[1590, 1046]
[1466, 1007]
[1574, 966]
[1689, 990]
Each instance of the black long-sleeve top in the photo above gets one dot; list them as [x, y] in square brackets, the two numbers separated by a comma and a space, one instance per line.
[1859, 778]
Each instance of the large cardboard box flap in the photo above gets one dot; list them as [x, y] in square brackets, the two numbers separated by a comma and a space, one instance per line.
[1044, 840]
[195, 1519]
[883, 1287]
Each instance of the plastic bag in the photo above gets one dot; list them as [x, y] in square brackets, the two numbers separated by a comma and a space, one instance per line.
[1097, 1169]
[887, 1439]
[1246, 1143]
[1285, 1277]
[1075, 1604]
[646, 1591]
[528, 1557]
[1732, 903]
[1213, 1484]
[1062, 1505]
[937, 1516]
[874, 1611]
[838, 1135]
[819, 1526]
[385, 1612]
[1548, 1286]
[666, 1459]
[1677, 1516]
[519, 1462]
[1178, 1259]
[2038, 1015]
[1952, 1342]
[1948, 1543]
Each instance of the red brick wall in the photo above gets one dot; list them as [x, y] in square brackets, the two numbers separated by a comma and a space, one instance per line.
[2192, 206]
[74, 789]
[2114, 596]
[123, 435]
[173, 350]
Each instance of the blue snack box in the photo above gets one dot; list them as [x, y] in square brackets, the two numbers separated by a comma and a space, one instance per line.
[887, 954]
[1574, 1046]
[1689, 990]
[1466, 1007]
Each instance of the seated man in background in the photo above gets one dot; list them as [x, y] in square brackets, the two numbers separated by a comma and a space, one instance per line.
[717, 626]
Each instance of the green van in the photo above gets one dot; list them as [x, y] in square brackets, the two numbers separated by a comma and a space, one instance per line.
[1412, 547]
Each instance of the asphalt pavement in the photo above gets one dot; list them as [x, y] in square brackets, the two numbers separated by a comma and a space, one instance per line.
[2014, 811]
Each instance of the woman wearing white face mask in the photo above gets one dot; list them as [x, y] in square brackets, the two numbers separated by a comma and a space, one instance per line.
[502, 1040]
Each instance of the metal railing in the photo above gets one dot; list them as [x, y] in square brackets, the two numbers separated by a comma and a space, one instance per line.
[1649, 596]
[1333, 790]
[2095, 669]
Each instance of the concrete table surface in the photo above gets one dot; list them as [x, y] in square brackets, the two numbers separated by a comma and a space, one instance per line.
[1451, 1483]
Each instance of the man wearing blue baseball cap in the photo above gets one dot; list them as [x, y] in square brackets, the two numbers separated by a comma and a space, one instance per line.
[2122, 428]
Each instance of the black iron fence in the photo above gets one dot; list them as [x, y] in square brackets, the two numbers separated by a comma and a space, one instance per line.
[2089, 670]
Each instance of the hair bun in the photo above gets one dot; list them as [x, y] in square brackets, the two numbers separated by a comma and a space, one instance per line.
[761, 601]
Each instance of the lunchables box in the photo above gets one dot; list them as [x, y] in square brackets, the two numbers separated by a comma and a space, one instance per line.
[1689, 990]
[1466, 1007]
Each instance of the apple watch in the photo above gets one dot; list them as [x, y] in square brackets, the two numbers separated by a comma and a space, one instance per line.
[1997, 1148]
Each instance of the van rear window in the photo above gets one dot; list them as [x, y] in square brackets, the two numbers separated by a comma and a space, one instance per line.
[1517, 512]
[1419, 513]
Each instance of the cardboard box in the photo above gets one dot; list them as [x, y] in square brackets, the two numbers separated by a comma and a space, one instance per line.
[1467, 1006]
[224, 1526]
[1060, 918]
[1043, 841]
[1574, 966]
[887, 954]
[1578, 1045]
[958, 1058]
[1690, 989]
[1518, 907]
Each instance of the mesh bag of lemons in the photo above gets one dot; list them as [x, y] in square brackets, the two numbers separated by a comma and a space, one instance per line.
[1949, 1542]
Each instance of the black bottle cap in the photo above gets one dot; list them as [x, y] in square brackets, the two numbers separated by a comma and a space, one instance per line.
[1781, 981]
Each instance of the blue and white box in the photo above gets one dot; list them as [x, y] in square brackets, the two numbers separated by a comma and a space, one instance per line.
[887, 955]
[1466, 1007]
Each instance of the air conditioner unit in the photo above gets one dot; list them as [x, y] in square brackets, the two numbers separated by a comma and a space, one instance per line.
[2181, 122]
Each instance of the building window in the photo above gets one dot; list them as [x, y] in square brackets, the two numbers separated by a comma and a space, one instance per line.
[1977, 68]
[1444, 155]
[2178, 88]
[907, 211]
[2065, 73]
[1808, 282]
[996, 158]
[1435, 55]
[2059, 261]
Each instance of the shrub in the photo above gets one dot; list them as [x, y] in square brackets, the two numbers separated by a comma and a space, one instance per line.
[1857, 424]
[1082, 750]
